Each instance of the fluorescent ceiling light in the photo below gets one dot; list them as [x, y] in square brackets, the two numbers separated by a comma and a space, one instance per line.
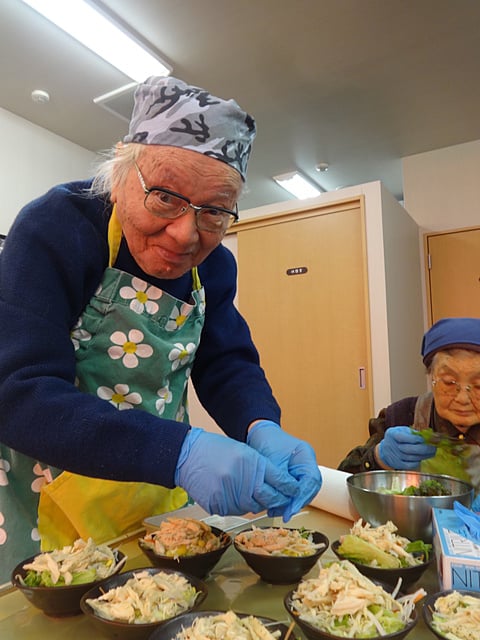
[297, 185]
[95, 31]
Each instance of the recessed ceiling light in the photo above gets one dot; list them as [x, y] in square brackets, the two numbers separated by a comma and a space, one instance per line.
[297, 185]
[38, 95]
[94, 30]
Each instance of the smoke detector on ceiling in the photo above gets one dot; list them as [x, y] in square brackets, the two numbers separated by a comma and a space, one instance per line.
[119, 102]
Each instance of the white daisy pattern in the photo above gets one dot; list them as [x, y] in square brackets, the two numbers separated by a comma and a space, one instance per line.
[201, 301]
[142, 296]
[77, 335]
[44, 476]
[120, 396]
[4, 469]
[180, 414]
[178, 317]
[3, 533]
[164, 397]
[180, 354]
[130, 348]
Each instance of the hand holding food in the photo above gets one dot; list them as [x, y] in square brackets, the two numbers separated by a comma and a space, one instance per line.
[227, 477]
[401, 448]
[292, 455]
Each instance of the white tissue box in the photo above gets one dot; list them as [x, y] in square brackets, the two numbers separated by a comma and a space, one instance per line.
[457, 554]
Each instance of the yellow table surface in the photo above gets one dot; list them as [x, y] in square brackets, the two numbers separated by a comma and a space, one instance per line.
[231, 584]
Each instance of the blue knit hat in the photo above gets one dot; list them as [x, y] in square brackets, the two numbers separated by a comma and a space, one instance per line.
[451, 333]
[167, 111]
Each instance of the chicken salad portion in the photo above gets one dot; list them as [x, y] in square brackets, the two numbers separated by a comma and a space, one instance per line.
[78, 563]
[345, 603]
[227, 626]
[382, 547]
[457, 616]
[182, 537]
[278, 541]
[146, 598]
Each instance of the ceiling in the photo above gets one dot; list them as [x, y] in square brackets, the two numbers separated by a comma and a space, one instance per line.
[357, 84]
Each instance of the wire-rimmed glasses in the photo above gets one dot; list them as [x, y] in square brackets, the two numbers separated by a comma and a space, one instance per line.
[450, 387]
[168, 204]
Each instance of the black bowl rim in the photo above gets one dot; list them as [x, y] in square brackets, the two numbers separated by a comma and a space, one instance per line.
[303, 624]
[87, 609]
[429, 600]
[386, 472]
[219, 533]
[269, 558]
[67, 587]
[399, 570]
[156, 635]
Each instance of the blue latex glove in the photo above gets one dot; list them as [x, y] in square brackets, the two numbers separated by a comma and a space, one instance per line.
[402, 449]
[227, 477]
[470, 520]
[291, 455]
[476, 504]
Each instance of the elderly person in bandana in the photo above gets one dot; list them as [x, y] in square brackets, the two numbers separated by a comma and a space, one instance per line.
[113, 294]
[451, 354]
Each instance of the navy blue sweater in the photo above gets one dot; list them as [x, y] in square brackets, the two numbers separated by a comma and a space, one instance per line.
[52, 262]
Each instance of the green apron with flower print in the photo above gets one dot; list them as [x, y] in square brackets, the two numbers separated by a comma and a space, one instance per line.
[135, 346]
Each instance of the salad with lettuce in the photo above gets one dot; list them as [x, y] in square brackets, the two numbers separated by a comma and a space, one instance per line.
[382, 547]
[78, 563]
[345, 603]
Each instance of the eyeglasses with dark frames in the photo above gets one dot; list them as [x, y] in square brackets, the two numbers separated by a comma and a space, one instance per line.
[168, 204]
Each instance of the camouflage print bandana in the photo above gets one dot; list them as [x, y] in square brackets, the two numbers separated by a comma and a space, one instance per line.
[169, 112]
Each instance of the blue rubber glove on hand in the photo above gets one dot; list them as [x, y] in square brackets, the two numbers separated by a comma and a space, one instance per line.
[476, 504]
[291, 455]
[402, 449]
[227, 477]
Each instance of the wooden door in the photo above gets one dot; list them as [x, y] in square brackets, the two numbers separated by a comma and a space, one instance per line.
[453, 274]
[302, 289]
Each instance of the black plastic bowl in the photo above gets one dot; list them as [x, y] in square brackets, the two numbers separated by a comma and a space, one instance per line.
[55, 601]
[283, 569]
[198, 565]
[409, 575]
[314, 633]
[429, 607]
[128, 631]
[170, 629]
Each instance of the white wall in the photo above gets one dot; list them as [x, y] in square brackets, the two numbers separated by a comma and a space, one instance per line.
[442, 188]
[33, 160]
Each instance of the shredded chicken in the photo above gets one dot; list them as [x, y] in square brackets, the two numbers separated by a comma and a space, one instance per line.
[385, 538]
[457, 616]
[278, 542]
[178, 537]
[146, 598]
[227, 626]
[347, 604]
[61, 566]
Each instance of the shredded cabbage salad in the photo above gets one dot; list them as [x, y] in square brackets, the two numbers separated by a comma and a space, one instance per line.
[347, 604]
[227, 626]
[78, 563]
[457, 616]
[146, 598]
